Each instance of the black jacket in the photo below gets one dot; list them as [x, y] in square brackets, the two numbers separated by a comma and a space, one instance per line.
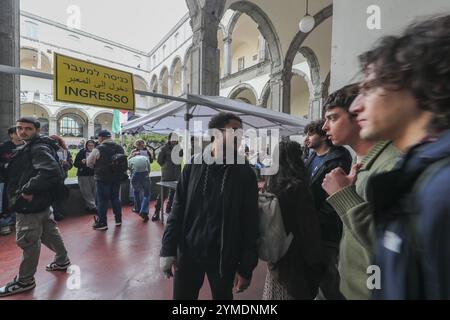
[240, 218]
[337, 157]
[103, 170]
[83, 169]
[33, 170]
[301, 268]
[411, 209]
[169, 170]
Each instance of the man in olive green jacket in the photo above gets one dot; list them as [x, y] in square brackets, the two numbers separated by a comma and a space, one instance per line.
[348, 192]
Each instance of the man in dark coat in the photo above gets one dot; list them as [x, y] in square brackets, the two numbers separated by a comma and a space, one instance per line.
[323, 160]
[213, 227]
[33, 175]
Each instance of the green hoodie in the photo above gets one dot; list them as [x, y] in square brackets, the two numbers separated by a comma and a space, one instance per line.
[356, 214]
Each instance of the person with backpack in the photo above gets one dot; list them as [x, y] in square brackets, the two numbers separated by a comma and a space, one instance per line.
[110, 166]
[65, 160]
[296, 276]
[33, 176]
[85, 176]
[7, 219]
[406, 99]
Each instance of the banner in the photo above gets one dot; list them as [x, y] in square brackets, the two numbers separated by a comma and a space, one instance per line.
[82, 82]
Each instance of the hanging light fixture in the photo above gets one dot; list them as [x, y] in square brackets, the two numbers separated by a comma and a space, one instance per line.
[307, 23]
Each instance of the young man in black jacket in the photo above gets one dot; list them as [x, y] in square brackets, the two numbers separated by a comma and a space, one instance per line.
[323, 160]
[213, 227]
[33, 174]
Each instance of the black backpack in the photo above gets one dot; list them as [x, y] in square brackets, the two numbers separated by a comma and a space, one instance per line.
[119, 163]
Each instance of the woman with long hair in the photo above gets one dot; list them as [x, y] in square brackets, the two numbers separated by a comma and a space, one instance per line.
[298, 273]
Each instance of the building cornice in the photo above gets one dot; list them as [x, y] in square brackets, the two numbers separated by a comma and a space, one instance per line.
[82, 33]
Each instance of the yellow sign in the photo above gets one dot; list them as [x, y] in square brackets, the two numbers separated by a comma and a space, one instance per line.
[78, 81]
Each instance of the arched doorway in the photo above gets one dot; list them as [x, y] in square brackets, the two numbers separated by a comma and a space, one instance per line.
[245, 93]
[39, 112]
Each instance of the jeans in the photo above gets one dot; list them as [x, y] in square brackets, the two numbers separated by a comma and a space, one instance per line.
[7, 219]
[141, 187]
[108, 192]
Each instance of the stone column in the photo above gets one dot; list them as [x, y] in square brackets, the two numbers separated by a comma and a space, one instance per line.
[205, 54]
[277, 84]
[262, 48]
[9, 55]
[91, 129]
[184, 79]
[170, 85]
[316, 111]
[227, 55]
[160, 89]
[52, 126]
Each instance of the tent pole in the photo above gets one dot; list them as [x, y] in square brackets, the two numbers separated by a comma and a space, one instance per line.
[187, 140]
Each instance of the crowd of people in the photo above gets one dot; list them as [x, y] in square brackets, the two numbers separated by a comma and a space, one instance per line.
[369, 188]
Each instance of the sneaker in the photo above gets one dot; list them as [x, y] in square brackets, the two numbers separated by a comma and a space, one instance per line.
[15, 287]
[93, 210]
[155, 217]
[118, 222]
[4, 231]
[100, 226]
[57, 267]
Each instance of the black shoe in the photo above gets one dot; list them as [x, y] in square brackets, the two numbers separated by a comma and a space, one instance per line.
[57, 267]
[155, 217]
[118, 222]
[93, 210]
[100, 226]
[135, 211]
[15, 287]
[144, 217]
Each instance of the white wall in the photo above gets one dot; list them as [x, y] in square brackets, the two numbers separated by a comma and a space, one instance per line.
[351, 36]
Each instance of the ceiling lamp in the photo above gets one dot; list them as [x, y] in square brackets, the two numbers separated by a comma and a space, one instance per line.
[307, 23]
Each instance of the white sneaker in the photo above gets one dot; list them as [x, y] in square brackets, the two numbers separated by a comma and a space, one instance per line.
[4, 231]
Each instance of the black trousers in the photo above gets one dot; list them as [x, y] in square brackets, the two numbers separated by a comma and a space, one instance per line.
[189, 278]
[161, 198]
[329, 286]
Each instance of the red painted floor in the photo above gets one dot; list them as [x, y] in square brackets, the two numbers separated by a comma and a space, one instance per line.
[121, 263]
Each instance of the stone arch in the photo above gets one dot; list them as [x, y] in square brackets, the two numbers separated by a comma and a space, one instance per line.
[142, 81]
[310, 85]
[326, 87]
[63, 109]
[294, 48]
[313, 63]
[265, 95]
[176, 60]
[162, 72]
[265, 27]
[240, 88]
[232, 23]
[99, 113]
[187, 70]
[47, 59]
[43, 106]
[176, 76]
[154, 89]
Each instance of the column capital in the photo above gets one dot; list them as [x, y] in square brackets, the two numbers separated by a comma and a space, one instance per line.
[228, 40]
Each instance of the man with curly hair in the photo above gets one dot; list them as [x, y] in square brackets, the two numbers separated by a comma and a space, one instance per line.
[406, 99]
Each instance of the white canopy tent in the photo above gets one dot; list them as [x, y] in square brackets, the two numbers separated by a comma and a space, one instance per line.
[176, 115]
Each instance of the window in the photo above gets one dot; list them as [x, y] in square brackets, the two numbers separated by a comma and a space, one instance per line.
[71, 126]
[176, 39]
[241, 63]
[32, 30]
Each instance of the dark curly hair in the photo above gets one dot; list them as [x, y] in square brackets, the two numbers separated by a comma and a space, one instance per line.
[291, 167]
[315, 127]
[418, 61]
[221, 119]
[342, 98]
